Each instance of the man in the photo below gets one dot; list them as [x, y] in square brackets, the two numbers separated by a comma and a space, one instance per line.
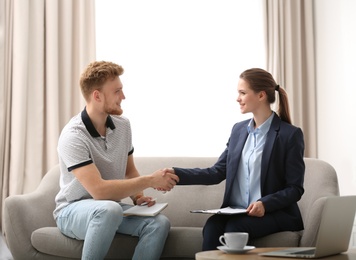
[97, 171]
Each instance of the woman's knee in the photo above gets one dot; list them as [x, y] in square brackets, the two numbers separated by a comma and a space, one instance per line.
[215, 224]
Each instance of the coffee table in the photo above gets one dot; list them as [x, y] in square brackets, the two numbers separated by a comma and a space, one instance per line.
[253, 255]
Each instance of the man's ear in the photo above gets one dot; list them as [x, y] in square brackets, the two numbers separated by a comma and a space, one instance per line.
[96, 95]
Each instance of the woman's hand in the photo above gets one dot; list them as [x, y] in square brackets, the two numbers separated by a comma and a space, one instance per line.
[256, 209]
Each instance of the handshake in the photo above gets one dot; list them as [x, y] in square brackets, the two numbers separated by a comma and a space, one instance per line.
[164, 179]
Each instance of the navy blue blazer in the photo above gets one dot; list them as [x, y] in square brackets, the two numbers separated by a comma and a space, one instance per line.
[282, 170]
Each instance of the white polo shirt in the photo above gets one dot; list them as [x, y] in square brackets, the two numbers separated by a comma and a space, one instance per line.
[80, 144]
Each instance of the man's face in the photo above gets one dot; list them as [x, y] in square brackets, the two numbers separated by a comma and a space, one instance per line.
[113, 95]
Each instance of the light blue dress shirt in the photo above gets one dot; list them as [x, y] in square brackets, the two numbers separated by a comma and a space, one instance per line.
[247, 184]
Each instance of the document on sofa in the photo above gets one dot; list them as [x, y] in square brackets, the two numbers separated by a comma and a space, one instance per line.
[145, 210]
[226, 211]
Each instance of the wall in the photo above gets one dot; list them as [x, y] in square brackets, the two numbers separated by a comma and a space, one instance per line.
[182, 61]
[335, 72]
[336, 88]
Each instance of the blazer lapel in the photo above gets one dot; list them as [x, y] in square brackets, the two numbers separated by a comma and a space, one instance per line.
[235, 156]
[267, 150]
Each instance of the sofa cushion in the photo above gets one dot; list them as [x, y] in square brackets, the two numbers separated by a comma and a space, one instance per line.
[51, 241]
[182, 242]
[280, 239]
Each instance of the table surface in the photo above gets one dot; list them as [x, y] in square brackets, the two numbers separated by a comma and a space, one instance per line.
[253, 255]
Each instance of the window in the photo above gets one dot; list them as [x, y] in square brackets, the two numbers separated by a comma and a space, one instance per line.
[182, 61]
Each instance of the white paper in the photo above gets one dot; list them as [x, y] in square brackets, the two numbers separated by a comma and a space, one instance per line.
[227, 211]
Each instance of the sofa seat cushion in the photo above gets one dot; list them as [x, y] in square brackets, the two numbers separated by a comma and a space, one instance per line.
[51, 241]
[280, 239]
[182, 242]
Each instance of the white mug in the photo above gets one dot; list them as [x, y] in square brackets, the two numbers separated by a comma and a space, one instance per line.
[234, 240]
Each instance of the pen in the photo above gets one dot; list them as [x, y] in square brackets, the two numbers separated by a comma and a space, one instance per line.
[145, 203]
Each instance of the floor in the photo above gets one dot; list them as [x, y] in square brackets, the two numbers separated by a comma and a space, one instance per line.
[4, 251]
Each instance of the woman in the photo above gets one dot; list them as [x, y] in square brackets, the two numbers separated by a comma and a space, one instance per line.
[262, 164]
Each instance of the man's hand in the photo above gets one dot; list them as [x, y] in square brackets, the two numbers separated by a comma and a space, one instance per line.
[169, 170]
[164, 180]
[166, 171]
[256, 209]
[143, 199]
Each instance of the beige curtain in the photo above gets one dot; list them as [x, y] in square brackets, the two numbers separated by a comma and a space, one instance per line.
[44, 44]
[290, 59]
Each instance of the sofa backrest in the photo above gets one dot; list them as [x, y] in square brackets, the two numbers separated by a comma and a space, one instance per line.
[182, 199]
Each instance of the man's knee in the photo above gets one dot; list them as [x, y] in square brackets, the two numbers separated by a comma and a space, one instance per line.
[163, 221]
[109, 211]
[159, 224]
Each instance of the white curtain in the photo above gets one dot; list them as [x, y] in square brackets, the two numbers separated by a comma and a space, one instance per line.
[44, 44]
[290, 59]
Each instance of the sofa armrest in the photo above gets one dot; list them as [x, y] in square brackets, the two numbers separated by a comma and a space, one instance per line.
[25, 213]
[311, 224]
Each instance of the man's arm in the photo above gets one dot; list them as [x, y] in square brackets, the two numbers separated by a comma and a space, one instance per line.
[132, 172]
[100, 189]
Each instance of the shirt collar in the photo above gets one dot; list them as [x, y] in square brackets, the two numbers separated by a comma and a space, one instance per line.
[89, 124]
[262, 128]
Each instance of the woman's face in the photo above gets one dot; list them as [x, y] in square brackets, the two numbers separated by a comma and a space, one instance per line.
[249, 100]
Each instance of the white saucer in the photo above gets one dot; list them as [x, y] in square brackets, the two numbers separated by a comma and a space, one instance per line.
[227, 250]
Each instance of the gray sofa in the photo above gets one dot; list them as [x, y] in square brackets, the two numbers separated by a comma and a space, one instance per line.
[31, 232]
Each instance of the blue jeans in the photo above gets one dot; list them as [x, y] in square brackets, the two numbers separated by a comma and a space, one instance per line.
[97, 221]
